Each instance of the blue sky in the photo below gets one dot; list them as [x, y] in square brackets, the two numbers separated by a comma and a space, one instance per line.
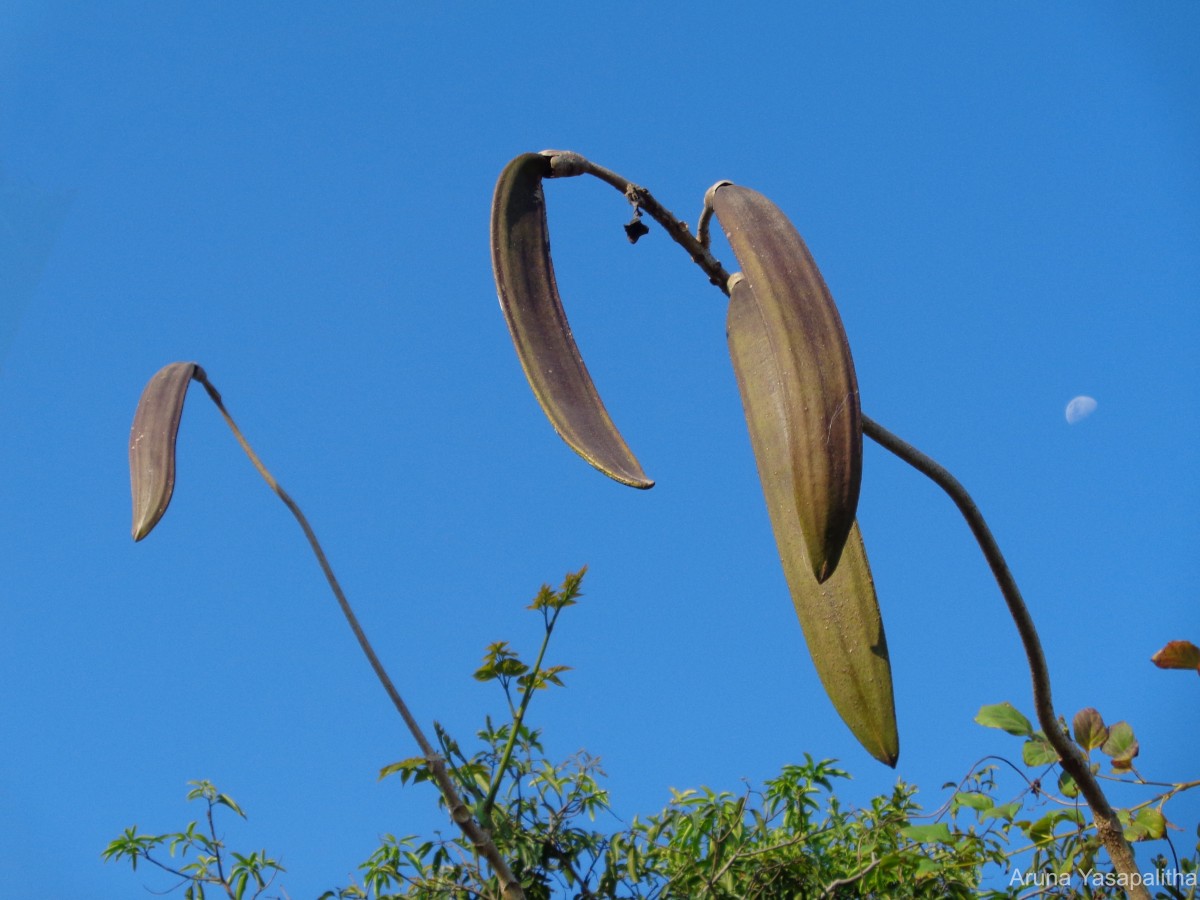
[1004, 200]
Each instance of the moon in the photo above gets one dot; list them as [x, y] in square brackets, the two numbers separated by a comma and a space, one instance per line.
[1080, 408]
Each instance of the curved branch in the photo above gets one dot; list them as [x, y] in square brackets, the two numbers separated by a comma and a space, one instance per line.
[1074, 763]
[459, 812]
[565, 164]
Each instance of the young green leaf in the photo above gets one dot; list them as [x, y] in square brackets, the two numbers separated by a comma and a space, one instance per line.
[1037, 751]
[1067, 786]
[1121, 746]
[152, 444]
[226, 800]
[1147, 824]
[538, 324]
[972, 799]
[406, 769]
[799, 361]
[1006, 717]
[1007, 812]
[1042, 831]
[937, 833]
[500, 662]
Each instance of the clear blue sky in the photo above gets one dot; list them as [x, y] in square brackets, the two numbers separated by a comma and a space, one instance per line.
[1004, 199]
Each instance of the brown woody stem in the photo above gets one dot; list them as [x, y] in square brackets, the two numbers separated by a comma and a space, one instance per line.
[1108, 827]
[459, 812]
[564, 164]
[1074, 763]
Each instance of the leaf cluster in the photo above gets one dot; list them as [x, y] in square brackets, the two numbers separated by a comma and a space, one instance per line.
[1075, 848]
[791, 837]
[208, 863]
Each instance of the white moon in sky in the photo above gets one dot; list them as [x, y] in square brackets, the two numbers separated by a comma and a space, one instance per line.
[1080, 408]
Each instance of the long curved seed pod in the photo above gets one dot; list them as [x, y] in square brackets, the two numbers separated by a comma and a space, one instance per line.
[538, 325]
[152, 444]
[840, 617]
[804, 362]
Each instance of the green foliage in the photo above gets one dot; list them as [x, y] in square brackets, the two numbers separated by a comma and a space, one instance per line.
[1075, 848]
[206, 851]
[1005, 716]
[789, 838]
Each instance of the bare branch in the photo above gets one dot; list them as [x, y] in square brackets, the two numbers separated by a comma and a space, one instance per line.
[459, 812]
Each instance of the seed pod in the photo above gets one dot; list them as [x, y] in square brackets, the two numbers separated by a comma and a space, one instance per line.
[152, 444]
[844, 632]
[840, 617]
[538, 325]
[803, 362]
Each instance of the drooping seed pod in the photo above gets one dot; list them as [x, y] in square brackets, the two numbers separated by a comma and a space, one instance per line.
[840, 617]
[538, 324]
[152, 444]
[804, 363]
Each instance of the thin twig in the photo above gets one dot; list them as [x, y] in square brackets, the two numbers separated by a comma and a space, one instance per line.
[186, 878]
[850, 879]
[212, 830]
[459, 812]
[564, 164]
[518, 719]
[1160, 799]
[937, 814]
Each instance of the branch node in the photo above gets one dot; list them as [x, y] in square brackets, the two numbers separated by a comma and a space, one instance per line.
[565, 164]
[706, 214]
